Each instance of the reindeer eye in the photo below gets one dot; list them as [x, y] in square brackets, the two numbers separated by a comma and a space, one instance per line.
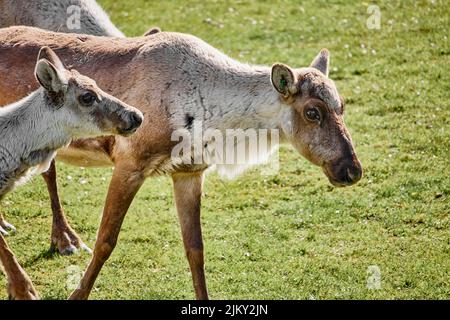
[312, 114]
[88, 99]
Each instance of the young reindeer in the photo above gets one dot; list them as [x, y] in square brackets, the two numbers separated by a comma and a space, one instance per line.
[53, 15]
[179, 79]
[68, 105]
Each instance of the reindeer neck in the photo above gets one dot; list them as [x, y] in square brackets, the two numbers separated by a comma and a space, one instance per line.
[255, 103]
[31, 125]
[236, 96]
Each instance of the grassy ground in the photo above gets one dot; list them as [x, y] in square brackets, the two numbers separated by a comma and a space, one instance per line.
[290, 236]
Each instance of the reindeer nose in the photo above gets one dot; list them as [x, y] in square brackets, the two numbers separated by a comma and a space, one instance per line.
[353, 171]
[136, 120]
[347, 171]
[354, 174]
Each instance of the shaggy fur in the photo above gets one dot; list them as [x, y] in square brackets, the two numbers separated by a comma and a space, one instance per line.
[53, 15]
[31, 130]
[179, 80]
[189, 78]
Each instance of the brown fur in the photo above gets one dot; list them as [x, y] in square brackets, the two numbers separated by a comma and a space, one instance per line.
[20, 286]
[121, 67]
[113, 70]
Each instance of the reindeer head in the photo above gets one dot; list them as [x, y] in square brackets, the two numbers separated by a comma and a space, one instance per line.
[88, 110]
[314, 121]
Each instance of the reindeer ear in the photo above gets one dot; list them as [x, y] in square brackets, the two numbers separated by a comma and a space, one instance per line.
[283, 79]
[50, 77]
[322, 61]
[49, 55]
[151, 31]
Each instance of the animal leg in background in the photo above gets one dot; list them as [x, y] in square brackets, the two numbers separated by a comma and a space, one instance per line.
[63, 238]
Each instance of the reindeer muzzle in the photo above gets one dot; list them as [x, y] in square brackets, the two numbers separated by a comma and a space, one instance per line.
[134, 121]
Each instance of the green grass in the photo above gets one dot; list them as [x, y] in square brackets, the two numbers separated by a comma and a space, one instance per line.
[290, 236]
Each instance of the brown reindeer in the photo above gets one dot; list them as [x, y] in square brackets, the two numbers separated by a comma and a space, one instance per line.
[178, 79]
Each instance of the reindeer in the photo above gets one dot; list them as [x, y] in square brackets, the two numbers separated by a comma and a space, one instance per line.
[190, 81]
[56, 15]
[53, 15]
[67, 105]
[61, 16]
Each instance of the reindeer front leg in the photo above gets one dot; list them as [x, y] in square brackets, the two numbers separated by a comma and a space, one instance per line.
[63, 238]
[124, 185]
[188, 192]
[20, 286]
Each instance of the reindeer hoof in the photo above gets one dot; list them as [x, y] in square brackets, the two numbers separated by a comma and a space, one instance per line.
[3, 232]
[69, 250]
[86, 248]
[5, 227]
[67, 242]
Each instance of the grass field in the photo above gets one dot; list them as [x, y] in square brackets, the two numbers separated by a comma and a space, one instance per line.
[289, 236]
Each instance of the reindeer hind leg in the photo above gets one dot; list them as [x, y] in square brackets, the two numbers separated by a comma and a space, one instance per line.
[63, 237]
